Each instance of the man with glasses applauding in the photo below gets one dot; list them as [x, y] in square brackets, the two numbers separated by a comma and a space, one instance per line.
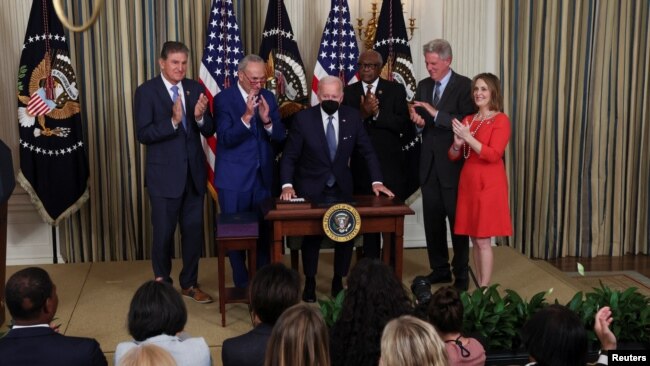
[383, 107]
[247, 119]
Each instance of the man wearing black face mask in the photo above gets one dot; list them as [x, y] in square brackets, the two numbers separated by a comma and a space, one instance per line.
[315, 166]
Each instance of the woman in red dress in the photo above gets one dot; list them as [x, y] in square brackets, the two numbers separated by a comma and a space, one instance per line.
[482, 209]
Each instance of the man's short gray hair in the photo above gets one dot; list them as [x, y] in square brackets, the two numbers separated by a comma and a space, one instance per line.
[439, 46]
[329, 79]
[248, 58]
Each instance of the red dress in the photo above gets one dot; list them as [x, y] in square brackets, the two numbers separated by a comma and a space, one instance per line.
[482, 206]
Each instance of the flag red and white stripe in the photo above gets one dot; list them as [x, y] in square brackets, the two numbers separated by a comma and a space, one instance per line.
[221, 54]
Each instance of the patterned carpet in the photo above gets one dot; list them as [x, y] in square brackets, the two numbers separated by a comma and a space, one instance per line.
[620, 280]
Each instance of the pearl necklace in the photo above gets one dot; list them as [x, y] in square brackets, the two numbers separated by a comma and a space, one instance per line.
[466, 149]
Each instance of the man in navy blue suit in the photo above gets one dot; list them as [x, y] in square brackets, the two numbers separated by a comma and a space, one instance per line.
[247, 119]
[315, 165]
[33, 340]
[170, 114]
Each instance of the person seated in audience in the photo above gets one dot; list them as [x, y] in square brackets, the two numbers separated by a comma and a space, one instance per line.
[299, 338]
[30, 297]
[446, 315]
[157, 315]
[373, 297]
[274, 289]
[147, 355]
[409, 341]
[555, 336]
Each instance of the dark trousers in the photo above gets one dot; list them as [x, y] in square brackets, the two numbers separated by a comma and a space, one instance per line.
[311, 250]
[247, 201]
[311, 243]
[187, 211]
[439, 203]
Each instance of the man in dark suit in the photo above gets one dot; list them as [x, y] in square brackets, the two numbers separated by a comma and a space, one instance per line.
[383, 107]
[315, 166]
[439, 99]
[34, 340]
[274, 289]
[170, 113]
[248, 119]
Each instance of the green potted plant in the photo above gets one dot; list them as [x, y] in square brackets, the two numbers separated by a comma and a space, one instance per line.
[630, 310]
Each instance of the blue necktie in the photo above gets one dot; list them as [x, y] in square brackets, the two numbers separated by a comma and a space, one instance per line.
[331, 144]
[174, 97]
[436, 94]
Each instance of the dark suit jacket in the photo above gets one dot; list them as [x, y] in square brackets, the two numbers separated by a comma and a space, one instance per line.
[305, 161]
[248, 349]
[43, 346]
[384, 133]
[240, 150]
[170, 152]
[437, 137]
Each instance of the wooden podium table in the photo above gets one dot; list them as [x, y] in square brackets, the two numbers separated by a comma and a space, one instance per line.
[378, 215]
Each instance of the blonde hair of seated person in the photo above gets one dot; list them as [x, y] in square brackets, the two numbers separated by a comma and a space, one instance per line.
[409, 341]
[147, 355]
[299, 338]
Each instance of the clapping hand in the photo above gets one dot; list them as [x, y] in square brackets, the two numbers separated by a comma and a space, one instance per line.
[602, 322]
[251, 104]
[369, 105]
[427, 107]
[461, 130]
[264, 110]
[201, 106]
[177, 111]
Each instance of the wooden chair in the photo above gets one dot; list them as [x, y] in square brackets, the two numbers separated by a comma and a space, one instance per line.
[235, 232]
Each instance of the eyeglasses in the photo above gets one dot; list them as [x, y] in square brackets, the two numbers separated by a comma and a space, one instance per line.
[368, 66]
[259, 80]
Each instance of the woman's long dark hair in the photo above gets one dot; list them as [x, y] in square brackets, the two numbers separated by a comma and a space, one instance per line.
[374, 297]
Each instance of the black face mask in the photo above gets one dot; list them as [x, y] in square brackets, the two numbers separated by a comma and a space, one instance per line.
[329, 106]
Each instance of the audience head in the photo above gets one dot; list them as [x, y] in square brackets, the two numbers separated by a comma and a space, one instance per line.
[555, 336]
[31, 297]
[373, 297]
[409, 341]
[299, 338]
[147, 355]
[274, 289]
[373, 284]
[156, 308]
[446, 310]
[493, 85]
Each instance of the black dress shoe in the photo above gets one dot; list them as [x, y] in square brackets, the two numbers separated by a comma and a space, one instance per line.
[337, 285]
[309, 293]
[439, 277]
[461, 284]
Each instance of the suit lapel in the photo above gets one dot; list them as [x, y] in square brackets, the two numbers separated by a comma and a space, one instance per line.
[428, 91]
[381, 89]
[190, 100]
[162, 91]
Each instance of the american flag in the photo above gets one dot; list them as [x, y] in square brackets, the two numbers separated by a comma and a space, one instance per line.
[338, 52]
[221, 55]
